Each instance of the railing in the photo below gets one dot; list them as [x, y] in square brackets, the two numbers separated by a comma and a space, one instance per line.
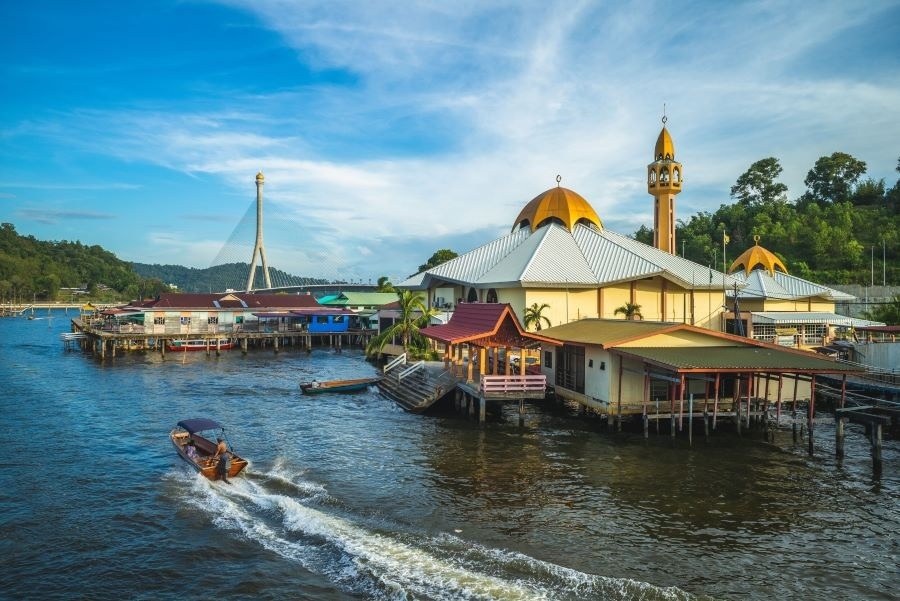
[395, 362]
[878, 374]
[67, 336]
[495, 384]
[411, 370]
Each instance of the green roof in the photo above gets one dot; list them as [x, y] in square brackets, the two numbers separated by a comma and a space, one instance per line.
[739, 358]
[360, 299]
[605, 331]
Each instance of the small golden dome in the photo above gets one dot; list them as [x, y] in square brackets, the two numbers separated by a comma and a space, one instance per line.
[560, 205]
[260, 177]
[665, 148]
[757, 257]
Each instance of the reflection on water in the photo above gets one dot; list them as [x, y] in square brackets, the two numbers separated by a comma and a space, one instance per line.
[349, 497]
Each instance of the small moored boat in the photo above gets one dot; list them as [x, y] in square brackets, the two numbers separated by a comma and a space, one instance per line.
[194, 441]
[337, 385]
[200, 344]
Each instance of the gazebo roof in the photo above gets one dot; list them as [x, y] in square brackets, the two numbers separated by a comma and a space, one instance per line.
[485, 324]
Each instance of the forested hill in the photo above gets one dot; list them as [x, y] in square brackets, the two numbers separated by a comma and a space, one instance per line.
[215, 279]
[32, 269]
[835, 233]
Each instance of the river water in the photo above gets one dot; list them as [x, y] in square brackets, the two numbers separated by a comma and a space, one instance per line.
[349, 497]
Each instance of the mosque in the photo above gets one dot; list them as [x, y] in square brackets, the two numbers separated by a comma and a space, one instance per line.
[559, 254]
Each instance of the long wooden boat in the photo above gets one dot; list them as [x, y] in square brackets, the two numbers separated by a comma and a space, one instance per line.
[197, 434]
[199, 344]
[337, 385]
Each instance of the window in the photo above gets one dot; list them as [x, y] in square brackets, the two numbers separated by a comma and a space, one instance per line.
[159, 321]
[212, 320]
[321, 319]
[548, 359]
[185, 321]
[339, 318]
[570, 368]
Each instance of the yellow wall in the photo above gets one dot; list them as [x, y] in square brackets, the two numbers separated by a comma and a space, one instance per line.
[565, 306]
[680, 339]
[614, 297]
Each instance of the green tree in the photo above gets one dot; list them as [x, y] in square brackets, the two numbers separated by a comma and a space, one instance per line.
[888, 313]
[832, 178]
[757, 185]
[441, 256]
[630, 311]
[534, 315]
[385, 285]
[414, 315]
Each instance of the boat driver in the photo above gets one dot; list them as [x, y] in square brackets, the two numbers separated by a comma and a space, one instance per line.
[224, 459]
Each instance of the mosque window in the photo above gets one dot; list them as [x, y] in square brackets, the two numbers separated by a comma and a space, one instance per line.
[473, 296]
[652, 177]
[664, 176]
[491, 296]
[676, 175]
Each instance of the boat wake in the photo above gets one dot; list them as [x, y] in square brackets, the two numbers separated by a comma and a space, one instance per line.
[299, 521]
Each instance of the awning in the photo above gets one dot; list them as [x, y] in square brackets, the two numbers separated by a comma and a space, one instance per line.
[199, 424]
[804, 317]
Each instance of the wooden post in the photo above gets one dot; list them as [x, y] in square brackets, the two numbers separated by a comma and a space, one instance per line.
[736, 405]
[521, 407]
[716, 402]
[839, 425]
[794, 408]
[244, 345]
[275, 344]
[876, 449]
[750, 392]
[208, 347]
[812, 409]
[495, 362]
[482, 409]
[619, 398]
[521, 361]
[470, 366]
[646, 400]
[671, 389]
[507, 367]
[482, 362]
[681, 404]
[778, 403]
[691, 419]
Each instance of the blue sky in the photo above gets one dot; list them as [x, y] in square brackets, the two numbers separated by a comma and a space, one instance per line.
[388, 130]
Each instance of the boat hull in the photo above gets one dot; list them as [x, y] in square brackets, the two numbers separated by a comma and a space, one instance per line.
[199, 345]
[338, 385]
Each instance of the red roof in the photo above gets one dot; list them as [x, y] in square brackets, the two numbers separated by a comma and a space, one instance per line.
[231, 300]
[473, 321]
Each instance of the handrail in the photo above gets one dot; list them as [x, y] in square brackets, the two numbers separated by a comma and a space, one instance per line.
[395, 362]
[411, 370]
[513, 383]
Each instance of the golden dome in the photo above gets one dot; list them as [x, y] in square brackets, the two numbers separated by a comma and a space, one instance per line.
[665, 148]
[259, 177]
[560, 205]
[757, 257]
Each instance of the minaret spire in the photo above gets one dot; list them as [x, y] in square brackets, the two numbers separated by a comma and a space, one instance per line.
[664, 179]
[258, 247]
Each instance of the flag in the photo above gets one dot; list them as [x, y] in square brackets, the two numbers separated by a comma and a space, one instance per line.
[726, 238]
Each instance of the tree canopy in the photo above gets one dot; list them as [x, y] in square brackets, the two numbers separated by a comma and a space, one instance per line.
[834, 233]
[441, 256]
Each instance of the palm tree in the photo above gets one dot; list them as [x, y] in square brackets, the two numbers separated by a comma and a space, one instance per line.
[414, 314]
[534, 315]
[630, 311]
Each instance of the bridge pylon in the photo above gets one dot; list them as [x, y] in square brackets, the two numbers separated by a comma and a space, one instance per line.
[259, 248]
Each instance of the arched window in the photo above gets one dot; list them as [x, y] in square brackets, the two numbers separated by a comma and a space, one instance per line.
[473, 296]
[652, 177]
[664, 175]
[676, 175]
[491, 296]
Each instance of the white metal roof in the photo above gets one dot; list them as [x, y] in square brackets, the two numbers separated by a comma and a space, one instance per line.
[798, 317]
[761, 284]
[553, 256]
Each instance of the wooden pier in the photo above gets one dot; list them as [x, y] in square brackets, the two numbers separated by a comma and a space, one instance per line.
[103, 340]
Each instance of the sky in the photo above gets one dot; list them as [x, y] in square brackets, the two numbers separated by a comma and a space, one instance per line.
[388, 130]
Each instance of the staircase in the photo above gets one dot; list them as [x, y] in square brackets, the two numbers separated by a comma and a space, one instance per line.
[413, 386]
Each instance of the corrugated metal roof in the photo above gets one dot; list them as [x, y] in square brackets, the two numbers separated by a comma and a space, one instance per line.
[553, 256]
[761, 284]
[374, 299]
[788, 317]
[740, 358]
[230, 300]
[472, 321]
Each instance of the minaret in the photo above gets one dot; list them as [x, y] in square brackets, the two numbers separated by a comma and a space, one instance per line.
[664, 177]
[258, 248]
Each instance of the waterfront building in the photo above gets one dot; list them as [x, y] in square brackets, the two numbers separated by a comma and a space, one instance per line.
[774, 306]
[559, 253]
[624, 367]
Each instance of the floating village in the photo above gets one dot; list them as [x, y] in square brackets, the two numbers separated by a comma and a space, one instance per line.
[633, 333]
